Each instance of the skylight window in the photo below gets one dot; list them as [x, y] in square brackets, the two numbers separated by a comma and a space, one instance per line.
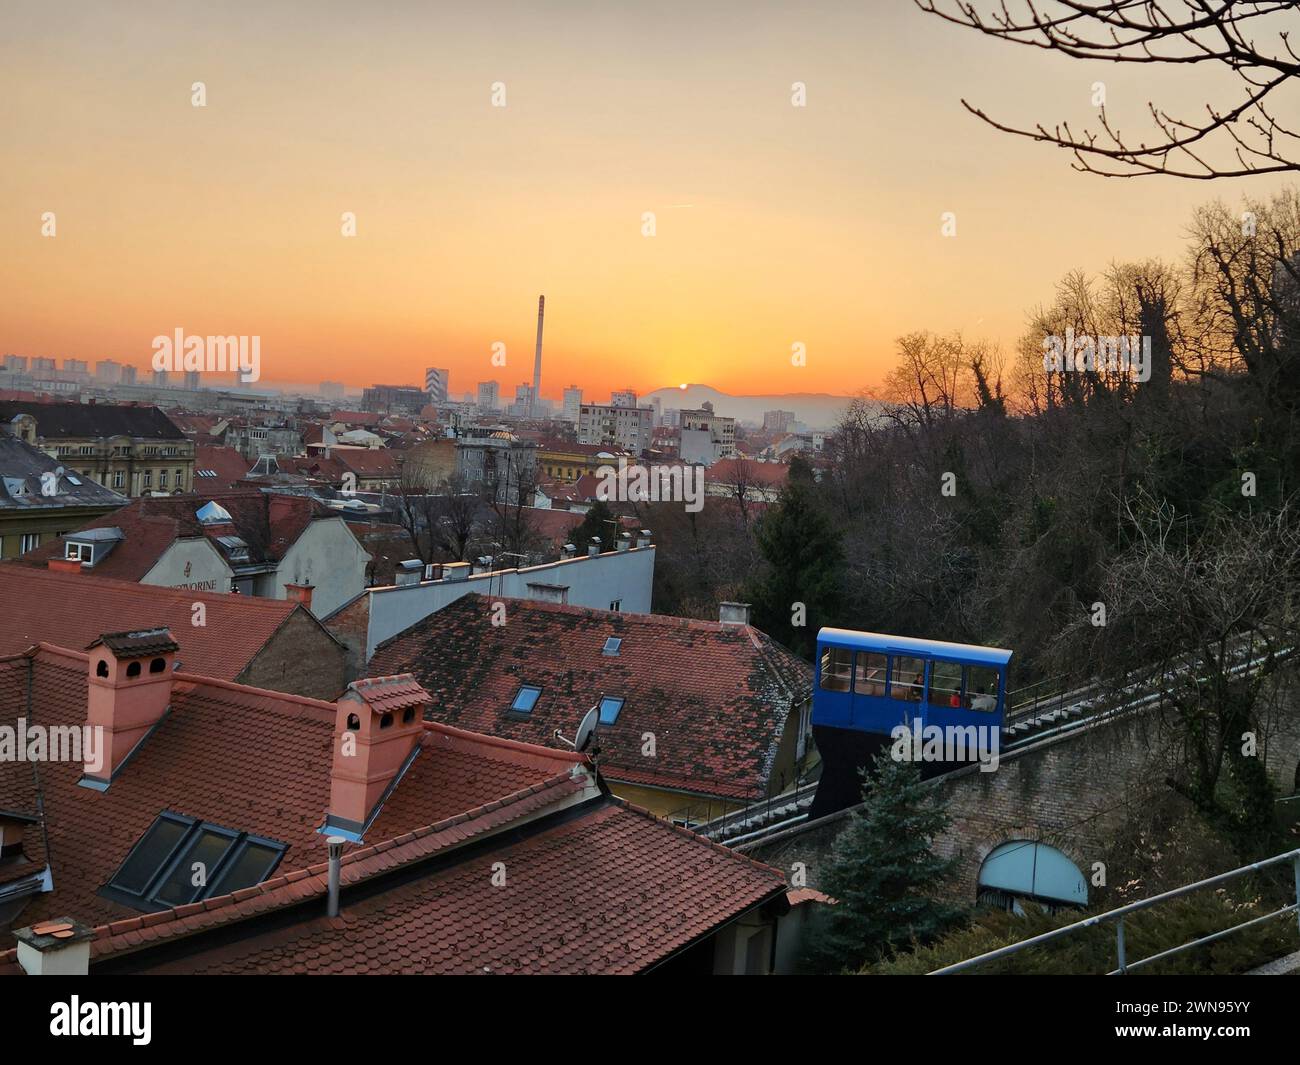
[525, 699]
[612, 645]
[180, 860]
[610, 707]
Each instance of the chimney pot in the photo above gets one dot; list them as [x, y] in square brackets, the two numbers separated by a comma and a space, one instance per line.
[734, 613]
[455, 571]
[300, 593]
[594, 549]
[378, 726]
[409, 572]
[129, 689]
[57, 947]
[335, 844]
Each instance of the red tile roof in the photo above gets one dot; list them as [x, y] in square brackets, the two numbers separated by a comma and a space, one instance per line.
[614, 891]
[72, 609]
[268, 523]
[356, 417]
[717, 697]
[598, 888]
[244, 758]
[758, 474]
[367, 462]
[226, 462]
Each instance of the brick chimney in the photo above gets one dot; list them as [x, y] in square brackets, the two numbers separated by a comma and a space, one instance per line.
[300, 593]
[128, 692]
[64, 565]
[377, 732]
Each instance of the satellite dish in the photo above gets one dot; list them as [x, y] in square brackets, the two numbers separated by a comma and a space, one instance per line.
[586, 731]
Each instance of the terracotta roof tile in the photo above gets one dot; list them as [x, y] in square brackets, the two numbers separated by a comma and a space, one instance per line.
[716, 697]
[72, 609]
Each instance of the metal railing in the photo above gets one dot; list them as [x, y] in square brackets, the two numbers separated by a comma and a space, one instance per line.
[1118, 915]
[710, 817]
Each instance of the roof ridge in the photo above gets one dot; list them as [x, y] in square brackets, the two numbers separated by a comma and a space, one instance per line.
[763, 866]
[520, 746]
[150, 591]
[202, 680]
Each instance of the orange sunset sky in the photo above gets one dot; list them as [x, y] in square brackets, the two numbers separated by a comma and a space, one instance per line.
[775, 224]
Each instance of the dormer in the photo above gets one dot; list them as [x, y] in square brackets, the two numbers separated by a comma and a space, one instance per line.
[129, 690]
[91, 546]
[378, 726]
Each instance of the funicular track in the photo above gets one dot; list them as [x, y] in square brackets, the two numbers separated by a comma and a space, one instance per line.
[1046, 710]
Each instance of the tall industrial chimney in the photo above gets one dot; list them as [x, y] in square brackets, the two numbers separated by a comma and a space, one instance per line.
[537, 358]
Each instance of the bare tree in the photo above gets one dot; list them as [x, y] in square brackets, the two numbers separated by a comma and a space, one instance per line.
[416, 509]
[1249, 39]
[1192, 610]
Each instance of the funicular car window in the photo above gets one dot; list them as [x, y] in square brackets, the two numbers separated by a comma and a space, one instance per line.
[907, 678]
[869, 677]
[945, 683]
[837, 666]
[981, 688]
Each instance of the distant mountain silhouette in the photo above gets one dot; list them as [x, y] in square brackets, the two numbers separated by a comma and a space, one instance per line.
[818, 410]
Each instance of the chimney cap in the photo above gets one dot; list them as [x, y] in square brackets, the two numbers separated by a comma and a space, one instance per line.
[54, 934]
[138, 643]
[385, 694]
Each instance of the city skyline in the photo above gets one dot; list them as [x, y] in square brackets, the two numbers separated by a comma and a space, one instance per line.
[228, 218]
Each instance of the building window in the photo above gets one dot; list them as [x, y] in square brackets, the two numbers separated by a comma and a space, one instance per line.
[162, 478]
[159, 872]
[81, 552]
[616, 605]
[30, 542]
[610, 707]
[525, 699]
[147, 480]
[117, 478]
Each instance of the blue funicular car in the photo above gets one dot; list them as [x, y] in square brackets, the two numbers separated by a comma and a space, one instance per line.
[869, 683]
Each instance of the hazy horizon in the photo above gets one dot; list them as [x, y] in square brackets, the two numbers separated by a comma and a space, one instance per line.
[775, 225]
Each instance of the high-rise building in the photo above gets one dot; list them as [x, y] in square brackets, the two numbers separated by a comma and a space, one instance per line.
[626, 398]
[332, 389]
[75, 366]
[572, 404]
[778, 421]
[522, 407]
[435, 384]
[128, 375]
[393, 399]
[16, 363]
[192, 380]
[108, 371]
[627, 427]
[42, 365]
[160, 378]
[706, 436]
[489, 395]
